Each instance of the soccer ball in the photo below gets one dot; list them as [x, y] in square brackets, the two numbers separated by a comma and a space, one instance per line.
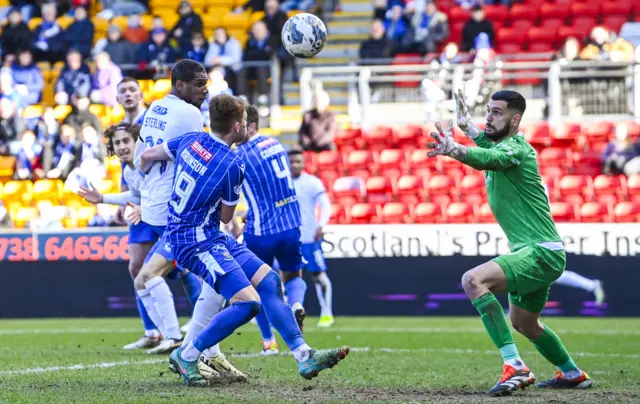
[304, 35]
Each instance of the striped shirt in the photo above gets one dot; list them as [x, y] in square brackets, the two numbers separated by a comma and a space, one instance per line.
[268, 187]
[207, 174]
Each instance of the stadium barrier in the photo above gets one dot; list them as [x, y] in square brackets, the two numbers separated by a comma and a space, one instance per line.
[375, 270]
[386, 93]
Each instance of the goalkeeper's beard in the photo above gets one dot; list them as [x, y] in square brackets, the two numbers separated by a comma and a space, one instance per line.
[499, 134]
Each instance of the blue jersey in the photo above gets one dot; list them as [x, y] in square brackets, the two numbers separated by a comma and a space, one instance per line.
[206, 174]
[268, 187]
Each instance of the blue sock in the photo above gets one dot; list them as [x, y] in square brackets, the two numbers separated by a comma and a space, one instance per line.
[264, 325]
[296, 289]
[192, 286]
[278, 312]
[144, 316]
[224, 323]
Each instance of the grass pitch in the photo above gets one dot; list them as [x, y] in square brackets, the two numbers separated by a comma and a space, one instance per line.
[393, 359]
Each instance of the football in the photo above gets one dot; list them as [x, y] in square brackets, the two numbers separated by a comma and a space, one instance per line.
[304, 35]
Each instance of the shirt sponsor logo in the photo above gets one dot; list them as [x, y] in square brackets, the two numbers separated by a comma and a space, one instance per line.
[201, 151]
[160, 110]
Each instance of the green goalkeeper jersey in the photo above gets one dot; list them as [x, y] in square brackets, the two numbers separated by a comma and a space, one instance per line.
[514, 187]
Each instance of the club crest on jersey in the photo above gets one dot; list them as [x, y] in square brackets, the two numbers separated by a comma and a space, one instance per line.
[201, 151]
[237, 189]
[223, 251]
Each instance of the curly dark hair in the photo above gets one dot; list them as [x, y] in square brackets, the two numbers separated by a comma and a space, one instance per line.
[132, 129]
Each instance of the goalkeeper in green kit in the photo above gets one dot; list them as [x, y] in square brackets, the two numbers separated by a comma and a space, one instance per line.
[519, 203]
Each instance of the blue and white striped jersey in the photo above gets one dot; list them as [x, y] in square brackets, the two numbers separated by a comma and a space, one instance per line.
[207, 173]
[268, 187]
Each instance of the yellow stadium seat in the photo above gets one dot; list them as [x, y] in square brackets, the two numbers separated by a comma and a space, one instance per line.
[100, 25]
[24, 216]
[120, 21]
[34, 23]
[117, 114]
[256, 16]
[99, 110]
[33, 111]
[58, 66]
[43, 66]
[236, 21]
[114, 166]
[105, 121]
[147, 96]
[291, 13]
[240, 34]
[107, 186]
[212, 21]
[239, 3]
[70, 198]
[219, 4]
[146, 85]
[84, 214]
[161, 88]
[48, 96]
[65, 21]
[48, 190]
[61, 111]
[17, 192]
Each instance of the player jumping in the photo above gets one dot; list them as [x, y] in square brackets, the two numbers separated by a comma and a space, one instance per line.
[272, 229]
[206, 190]
[519, 203]
[311, 194]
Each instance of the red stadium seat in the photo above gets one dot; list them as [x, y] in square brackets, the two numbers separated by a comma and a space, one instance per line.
[338, 214]
[510, 35]
[394, 212]
[522, 25]
[599, 131]
[440, 187]
[609, 189]
[329, 160]
[378, 138]
[554, 156]
[627, 212]
[552, 24]
[348, 190]
[563, 212]
[633, 187]
[565, 136]
[614, 7]
[584, 23]
[554, 10]
[426, 212]
[541, 35]
[459, 14]
[472, 184]
[364, 213]
[538, 135]
[348, 139]
[409, 137]
[378, 190]
[509, 48]
[410, 190]
[484, 214]
[540, 48]
[459, 212]
[497, 13]
[594, 212]
[328, 177]
[358, 161]
[523, 12]
[392, 163]
[422, 165]
[310, 164]
[586, 163]
[573, 186]
[585, 10]
[614, 22]
[570, 31]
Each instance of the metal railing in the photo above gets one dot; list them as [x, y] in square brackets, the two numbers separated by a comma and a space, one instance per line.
[383, 93]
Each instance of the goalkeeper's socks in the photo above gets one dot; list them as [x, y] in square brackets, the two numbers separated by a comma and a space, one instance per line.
[511, 356]
[495, 322]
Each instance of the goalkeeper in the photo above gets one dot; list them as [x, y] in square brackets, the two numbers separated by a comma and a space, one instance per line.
[537, 258]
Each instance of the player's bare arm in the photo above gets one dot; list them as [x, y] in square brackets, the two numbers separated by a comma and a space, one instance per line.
[150, 156]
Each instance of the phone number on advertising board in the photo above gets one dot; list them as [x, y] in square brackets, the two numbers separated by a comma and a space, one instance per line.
[95, 247]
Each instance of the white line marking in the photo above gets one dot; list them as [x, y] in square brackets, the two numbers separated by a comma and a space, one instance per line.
[418, 330]
[105, 365]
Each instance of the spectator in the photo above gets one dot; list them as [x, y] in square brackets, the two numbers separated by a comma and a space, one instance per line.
[24, 7]
[450, 55]
[28, 164]
[378, 46]
[11, 127]
[217, 86]
[252, 5]
[74, 80]
[27, 77]
[259, 49]
[431, 28]
[483, 53]
[398, 30]
[318, 126]
[135, 33]
[188, 23]
[467, 4]
[105, 81]
[225, 51]
[473, 27]
[119, 49]
[570, 51]
[64, 154]
[157, 51]
[116, 8]
[81, 115]
[79, 35]
[7, 89]
[15, 35]
[621, 155]
[602, 47]
[90, 167]
[48, 38]
[275, 19]
[198, 48]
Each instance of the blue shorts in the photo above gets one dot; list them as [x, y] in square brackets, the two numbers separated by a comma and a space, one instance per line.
[164, 249]
[142, 233]
[312, 253]
[223, 263]
[285, 247]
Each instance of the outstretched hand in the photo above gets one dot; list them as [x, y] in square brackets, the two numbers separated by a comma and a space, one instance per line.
[444, 143]
[90, 194]
[463, 117]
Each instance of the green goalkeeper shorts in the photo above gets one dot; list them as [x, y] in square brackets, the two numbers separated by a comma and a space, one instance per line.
[530, 271]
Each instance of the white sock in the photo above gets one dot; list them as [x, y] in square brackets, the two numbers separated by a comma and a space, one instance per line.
[324, 290]
[151, 333]
[190, 353]
[208, 305]
[574, 280]
[516, 363]
[302, 352]
[165, 306]
[149, 304]
[212, 352]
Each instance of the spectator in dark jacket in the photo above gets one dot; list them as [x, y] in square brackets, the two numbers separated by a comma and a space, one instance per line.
[398, 29]
[48, 38]
[198, 48]
[79, 35]
[275, 20]
[11, 127]
[119, 49]
[157, 51]
[472, 28]
[27, 78]
[105, 80]
[64, 153]
[318, 126]
[15, 35]
[430, 28]
[378, 46]
[188, 23]
[259, 49]
[80, 115]
[74, 80]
